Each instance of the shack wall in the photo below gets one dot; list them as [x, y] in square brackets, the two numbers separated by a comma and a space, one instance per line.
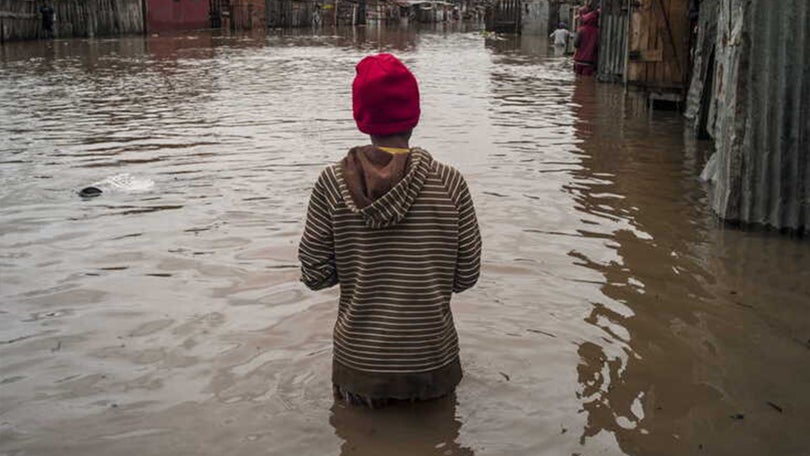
[613, 24]
[659, 44]
[345, 12]
[248, 14]
[561, 11]
[700, 102]
[273, 13]
[381, 12]
[21, 20]
[166, 15]
[503, 16]
[535, 17]
[761, 168]
[301, 13]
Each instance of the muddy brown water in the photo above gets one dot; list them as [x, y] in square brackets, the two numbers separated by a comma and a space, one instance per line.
[614, 315]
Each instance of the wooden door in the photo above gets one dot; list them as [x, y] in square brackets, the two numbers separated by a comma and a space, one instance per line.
[659, 43]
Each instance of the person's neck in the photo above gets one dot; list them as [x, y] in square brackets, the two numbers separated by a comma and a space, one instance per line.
[396, 142]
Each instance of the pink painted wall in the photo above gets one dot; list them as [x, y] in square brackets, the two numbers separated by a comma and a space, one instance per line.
[166, 15]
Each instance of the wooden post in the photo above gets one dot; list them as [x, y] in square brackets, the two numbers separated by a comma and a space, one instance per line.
[627, 44]
[145, 12]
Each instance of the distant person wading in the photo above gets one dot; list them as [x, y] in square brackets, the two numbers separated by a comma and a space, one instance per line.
[397, 231]
[560, 37]
[48, 18]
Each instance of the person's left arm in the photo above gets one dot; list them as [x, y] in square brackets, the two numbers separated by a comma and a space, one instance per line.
[468, 262]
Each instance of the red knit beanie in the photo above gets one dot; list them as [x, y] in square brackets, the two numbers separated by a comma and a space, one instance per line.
[385, 96]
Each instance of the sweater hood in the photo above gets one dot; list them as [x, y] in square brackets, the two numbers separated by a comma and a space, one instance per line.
[382, 187]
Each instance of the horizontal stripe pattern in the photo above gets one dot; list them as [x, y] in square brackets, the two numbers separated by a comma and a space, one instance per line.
[397, 262]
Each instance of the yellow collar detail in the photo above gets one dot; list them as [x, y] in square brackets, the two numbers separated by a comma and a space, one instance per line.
[394, 150]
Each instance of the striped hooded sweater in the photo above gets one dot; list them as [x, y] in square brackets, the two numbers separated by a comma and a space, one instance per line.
[397, 260]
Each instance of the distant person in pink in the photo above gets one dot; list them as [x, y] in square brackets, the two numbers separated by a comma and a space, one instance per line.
[587, 42]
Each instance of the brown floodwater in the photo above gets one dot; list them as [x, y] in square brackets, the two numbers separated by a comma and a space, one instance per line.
[614, 314]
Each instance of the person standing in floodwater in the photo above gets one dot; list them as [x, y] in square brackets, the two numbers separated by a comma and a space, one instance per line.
[48, 19]
[560, 37]
[398, 231]
[587, 42]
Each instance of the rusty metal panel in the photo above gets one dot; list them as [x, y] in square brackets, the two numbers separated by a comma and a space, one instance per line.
[762, 128]
[167, 15]
[700, 94]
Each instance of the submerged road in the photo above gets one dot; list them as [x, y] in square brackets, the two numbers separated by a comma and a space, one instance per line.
[614, 315]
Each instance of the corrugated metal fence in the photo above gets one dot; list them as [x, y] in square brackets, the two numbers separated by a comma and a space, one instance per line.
[295, 13]
[762, 125]
[21, 20]
[503, 16]
[248, 14]
[700, 100]
[613, 40]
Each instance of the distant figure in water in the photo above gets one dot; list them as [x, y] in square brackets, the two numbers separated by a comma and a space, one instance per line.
[397, 230]
[560, 37]
[587, 42]
[48, 18]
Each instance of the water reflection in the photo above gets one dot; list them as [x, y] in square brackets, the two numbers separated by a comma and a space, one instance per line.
[534, 47]
[423, 428]
[190, 46]
[637, 380]
[654, 381]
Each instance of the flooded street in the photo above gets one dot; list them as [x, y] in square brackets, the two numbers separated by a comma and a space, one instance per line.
[614, 314]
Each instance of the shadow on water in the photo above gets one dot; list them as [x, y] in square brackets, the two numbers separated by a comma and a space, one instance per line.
[424, 429]
[638, 384]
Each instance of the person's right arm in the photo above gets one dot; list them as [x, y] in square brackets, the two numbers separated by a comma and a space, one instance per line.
[317, 248]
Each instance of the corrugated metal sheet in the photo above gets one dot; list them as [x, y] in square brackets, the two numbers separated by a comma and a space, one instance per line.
[613, 24]
[21, 19]
[248, 14]
[645, 42]
[762, 110]
[700, 97]
[503, 16]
